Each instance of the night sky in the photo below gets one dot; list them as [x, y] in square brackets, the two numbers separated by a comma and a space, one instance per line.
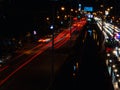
[17, 16]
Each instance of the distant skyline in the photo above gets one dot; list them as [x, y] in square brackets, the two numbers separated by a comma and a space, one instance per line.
[17, 15]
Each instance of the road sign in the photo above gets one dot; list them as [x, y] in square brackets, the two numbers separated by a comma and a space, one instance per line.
[90, 9]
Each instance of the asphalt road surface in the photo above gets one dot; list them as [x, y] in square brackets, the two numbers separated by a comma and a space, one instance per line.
[86, 68]
[81, 67]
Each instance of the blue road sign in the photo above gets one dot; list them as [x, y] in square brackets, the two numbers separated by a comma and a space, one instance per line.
[90, 9]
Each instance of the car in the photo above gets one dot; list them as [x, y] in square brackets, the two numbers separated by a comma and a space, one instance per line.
[5, 59]
[44, 40]
[111, 43]
[117, 36]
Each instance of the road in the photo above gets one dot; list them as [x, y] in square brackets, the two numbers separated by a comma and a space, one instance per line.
[85, 68]
[80, 67]
[40, 53]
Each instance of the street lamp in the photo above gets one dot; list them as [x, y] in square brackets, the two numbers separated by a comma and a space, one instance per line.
[71, 10]
[52, 61]
[53, 29]
[62, 8]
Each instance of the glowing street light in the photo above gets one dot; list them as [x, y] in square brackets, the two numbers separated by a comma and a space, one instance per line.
[71, 10]
[47, 18]
[51, 27]
[62, 8]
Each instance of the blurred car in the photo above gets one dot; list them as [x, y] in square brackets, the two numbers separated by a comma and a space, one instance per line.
[117, 36]
[111, 43]
[4, 60]
[44, 40]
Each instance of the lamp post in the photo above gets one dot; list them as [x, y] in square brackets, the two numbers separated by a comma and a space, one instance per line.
[52, 57]
[52, 28]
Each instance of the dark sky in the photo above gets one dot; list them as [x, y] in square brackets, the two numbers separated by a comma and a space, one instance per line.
[16, 16]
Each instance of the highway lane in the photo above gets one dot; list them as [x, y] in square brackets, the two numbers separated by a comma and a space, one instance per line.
[80, 68]
[27, 56]
[111, 34]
